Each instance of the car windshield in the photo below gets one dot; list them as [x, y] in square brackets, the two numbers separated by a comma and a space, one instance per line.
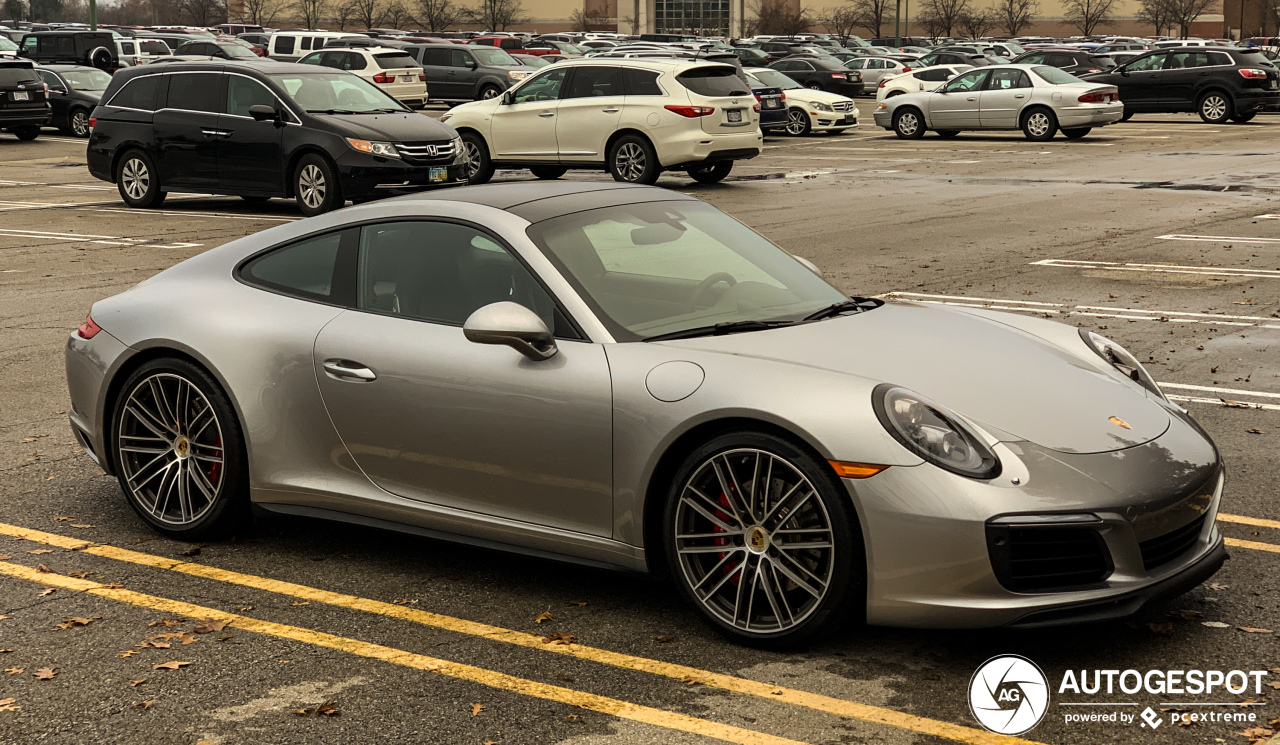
[335, 93]
[661, 268]
[1055, 76]
[528, 60]
[235, 51]
[494, 57]
[87, 79]
[775, 79]
[7, 45]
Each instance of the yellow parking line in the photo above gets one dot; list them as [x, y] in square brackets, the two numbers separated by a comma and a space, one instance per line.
[817, 702]
[1254, 521]
[490, 678]
[1255, 545]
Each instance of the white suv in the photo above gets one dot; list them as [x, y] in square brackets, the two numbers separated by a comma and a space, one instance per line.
[392, 70]
[634, 118]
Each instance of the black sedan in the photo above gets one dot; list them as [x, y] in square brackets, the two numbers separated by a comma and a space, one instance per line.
[267, 130]
[1074, 61]
[821, 73]
[73, 92]
[1219, 83]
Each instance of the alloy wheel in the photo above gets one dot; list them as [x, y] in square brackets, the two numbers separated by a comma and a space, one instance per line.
[473, 157]
[79, 124]
[170, 446]
[1038, 124]
[1214, 107]
[488, 93]
[754, 541]
[629, 161]
[908, 123]
[136, 178]
[311, 186]
[796, 122]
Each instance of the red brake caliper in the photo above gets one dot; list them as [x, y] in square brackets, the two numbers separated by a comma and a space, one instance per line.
[732, 565]
[215, 469]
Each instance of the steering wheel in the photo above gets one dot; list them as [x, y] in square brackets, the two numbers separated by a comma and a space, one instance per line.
[707, 284]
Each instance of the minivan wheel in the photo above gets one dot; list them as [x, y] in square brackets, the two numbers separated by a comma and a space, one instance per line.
[633, 161]
[908, 124]
[78, 123]
[1039, 125]
[548, 172]
[711, 173]
[138, 182]
[26, 133]
[1215, 108]
[489, 91]
[315, 186]
[479, 167]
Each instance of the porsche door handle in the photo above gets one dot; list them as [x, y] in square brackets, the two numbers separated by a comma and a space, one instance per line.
[547, 114]
[611, 110]
[971, 99]
[349, 370]
[1019, 95]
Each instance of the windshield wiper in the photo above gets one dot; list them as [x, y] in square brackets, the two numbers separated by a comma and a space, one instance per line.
[853, 305]
[720, 329]
[331, 111]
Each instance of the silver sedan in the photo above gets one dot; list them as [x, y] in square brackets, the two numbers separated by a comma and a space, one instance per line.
[1037, 99]
[628, 377]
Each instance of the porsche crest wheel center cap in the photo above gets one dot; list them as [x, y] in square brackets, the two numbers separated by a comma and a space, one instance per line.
[182, 447]
[757, 540]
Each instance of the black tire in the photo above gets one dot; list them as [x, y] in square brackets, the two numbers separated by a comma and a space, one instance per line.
[490, 91]
[1127, 115]
[798, 124]
[814, 86]
[892, 94]
[947, 134]
[632, 160]
[316, 188]
[1039, 124]
[78, 123]
[26, 134]
[1077, 133]
[198, 452]
[711, 173]
[908, 123]
[479, 164]
[548, 172]
[138, 182]
[836, 573]
[1215, 107]
[1242, 118]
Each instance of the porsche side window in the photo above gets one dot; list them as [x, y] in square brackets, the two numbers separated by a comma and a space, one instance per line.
[443, 272]
[320, 268]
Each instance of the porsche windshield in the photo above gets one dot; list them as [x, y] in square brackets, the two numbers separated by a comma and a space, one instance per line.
[663, 268]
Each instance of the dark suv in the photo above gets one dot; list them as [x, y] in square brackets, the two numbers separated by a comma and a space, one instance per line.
[24, 107]
[1219, 83]
[467, 73]
[1074, 61]
[92, 48]
[269, 130]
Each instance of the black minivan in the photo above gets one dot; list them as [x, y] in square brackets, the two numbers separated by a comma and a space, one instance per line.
[273, 129]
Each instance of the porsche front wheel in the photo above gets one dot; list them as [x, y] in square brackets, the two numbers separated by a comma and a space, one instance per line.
[761, 540]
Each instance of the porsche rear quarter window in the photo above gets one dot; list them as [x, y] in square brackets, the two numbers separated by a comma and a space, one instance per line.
[320, 268]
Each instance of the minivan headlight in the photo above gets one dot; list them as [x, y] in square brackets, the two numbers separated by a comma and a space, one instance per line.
[1122, 360]
[933, 433]
[385, 149]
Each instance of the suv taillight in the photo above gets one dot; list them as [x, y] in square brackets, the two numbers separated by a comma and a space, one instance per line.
[1253, 73]
[691, 111]
[88, 329]
[93, 122]
[382, 77]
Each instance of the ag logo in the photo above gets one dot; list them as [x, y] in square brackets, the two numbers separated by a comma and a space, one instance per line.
[1008, 695]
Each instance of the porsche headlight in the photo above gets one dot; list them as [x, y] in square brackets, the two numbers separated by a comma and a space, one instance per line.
[821, 106]
[1120, 358]
[933, 433]
[385, 149]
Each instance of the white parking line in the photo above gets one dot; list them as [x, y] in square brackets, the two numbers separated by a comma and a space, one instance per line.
[1215, 238]
[1266, 217]
[1221, 402]
[1217, 389]
[1213, 271]
[221, 215]
[107, 240]
[1095, 311]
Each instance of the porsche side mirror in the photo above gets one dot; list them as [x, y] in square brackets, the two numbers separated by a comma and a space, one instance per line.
[512, 325]
[808, 264]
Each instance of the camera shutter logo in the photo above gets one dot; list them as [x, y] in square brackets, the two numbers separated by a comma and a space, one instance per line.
[1009, 695]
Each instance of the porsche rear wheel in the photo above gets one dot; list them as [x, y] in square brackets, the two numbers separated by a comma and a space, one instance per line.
[761, 541]
[178, 451]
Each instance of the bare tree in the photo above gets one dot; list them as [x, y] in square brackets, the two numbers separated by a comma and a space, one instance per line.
[15, 10]
[872, 14]
[1155, 13]
[1184, 12]
[946, 14]
[203, 12]
[934, 25]
[593, 19]
[1088, 15]
[368, 12]
[1015, 15]
[497, 15]
[840, 21]
[776, 17]
[397, 16]
[261, 12]
[309, 12]
[977, 23]
[436, 15]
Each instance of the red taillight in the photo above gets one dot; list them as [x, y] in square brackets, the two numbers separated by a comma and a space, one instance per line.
[883, 82]
[88, 329]
[691, 111]
[382, 77]
[1253, 73]
[839, 75]
[422, 78]
[93, 122]
[783, 96]
[906, 69]
[1096, 98]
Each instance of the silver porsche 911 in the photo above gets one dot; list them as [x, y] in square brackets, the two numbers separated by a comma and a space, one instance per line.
[1038, 99]
[627, 377]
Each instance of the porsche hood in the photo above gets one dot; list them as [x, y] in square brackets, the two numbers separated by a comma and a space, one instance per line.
[1016, 385]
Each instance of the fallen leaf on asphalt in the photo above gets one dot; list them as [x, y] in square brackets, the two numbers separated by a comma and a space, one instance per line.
[476, 709]
[38, 551]
[14, 670]
[126, 654]
[304, 711]
[1245, 302]
[328, 709]
[78, 575]
[208, 626]
[1250, 629]
[144, 705]
[44, 569]
[689, 680]
[560, 637]
[544, 616]
[3, 616]
[113, 586]
[1216, 586]
[79, 525]
[573, 718]
[1213, 369]
[174, 665]
[301, 602]
[1254, 431]
[1164, 629]
[1188, 615]
[580, 604]
[190, 552]
[136, 683]
[243, 608]
[1275, 684]
[49, 591]
[7, 704]
[4, 557]
[665, 639]
[2, 651]
[165, 622]
[45, 673]
[490, 742]
[404, 601]
[63, 519]
[78, 621]
[187, 639]
[1216, 624]
[776, 692]
[1233, 404]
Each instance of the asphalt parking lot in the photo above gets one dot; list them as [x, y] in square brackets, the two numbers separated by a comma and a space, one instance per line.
[1163, 233]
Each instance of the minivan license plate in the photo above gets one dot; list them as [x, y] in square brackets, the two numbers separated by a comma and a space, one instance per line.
[438, 174]
[21, 96]
[735, 115]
